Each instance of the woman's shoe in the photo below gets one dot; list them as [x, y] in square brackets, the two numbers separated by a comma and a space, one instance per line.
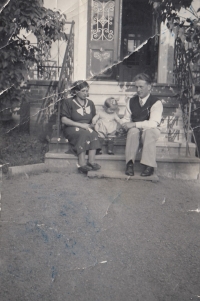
[84, 169]
[94, 166]
[99, 152]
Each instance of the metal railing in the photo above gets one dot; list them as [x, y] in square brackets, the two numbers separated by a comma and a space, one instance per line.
[51, 103]
[49, 63]
[48, 107]
[66, 74]
[184, 80]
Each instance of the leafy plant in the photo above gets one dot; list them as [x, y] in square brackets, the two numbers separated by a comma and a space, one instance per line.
[16, 52]
[188, 29]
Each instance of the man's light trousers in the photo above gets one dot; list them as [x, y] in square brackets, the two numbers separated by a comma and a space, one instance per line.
[148, 139]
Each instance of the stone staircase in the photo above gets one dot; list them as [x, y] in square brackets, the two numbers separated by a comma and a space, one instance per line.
[172, 158]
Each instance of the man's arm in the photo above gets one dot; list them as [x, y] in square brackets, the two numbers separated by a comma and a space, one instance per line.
[155, 117]
[153, 122]
[127, 113]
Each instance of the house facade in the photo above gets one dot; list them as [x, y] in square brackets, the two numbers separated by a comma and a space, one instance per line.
[113, 41]
[106, 34]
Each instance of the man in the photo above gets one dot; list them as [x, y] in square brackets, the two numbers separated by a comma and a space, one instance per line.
[142, 119]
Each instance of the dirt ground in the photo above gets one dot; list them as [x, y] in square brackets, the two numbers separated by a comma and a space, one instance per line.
[67, 237]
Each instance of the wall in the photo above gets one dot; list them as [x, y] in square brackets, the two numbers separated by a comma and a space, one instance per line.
[36, 92]
[75, 10]
[166, 55]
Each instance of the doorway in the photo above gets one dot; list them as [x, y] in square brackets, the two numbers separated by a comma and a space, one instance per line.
[115, 29]
[103, 38]
[138, 25]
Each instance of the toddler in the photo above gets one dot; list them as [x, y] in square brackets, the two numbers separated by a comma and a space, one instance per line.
[106, 122]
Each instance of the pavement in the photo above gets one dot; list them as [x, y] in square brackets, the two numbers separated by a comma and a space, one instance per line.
[64, 236]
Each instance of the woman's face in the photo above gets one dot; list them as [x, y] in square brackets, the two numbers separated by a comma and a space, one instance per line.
[83, 93]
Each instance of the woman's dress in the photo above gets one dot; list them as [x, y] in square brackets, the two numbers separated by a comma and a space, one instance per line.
[80, 139]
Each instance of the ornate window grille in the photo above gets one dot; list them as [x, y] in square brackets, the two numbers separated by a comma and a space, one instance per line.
[102, 20]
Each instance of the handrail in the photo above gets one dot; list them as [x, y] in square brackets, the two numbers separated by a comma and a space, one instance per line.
[66, 74]
[54, 94]
[184, 80]
[69, 47]
[45, 103]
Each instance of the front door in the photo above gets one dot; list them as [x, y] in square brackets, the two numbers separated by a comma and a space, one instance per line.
[103, 38]
[138, 25]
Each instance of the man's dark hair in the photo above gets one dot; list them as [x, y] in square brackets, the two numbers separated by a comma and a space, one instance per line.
[143, 76]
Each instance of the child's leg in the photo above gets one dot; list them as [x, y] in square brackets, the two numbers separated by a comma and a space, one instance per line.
[111, 145]
[100, 151]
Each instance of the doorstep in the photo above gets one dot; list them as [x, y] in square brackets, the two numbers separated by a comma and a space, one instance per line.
[180, 167]
[103, 173]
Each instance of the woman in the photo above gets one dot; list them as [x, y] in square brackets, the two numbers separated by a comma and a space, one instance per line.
[76, 115]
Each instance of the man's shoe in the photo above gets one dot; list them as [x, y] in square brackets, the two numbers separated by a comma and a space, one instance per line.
[94, 166]
[129, 169]
[147, 172]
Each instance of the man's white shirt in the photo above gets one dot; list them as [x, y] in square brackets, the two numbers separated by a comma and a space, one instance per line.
[155, 114]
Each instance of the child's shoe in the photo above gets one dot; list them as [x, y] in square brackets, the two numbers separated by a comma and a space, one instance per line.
[110, 146]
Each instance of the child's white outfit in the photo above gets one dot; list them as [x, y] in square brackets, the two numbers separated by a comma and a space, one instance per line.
[106, 124]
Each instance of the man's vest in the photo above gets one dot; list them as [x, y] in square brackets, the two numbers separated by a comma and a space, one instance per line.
[139, 113]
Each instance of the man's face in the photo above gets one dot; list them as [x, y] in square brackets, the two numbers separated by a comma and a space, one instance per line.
[143, 88]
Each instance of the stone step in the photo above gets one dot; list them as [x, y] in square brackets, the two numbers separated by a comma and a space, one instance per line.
[99, 99]
[99, 102]
[167, 110]
[104, 87]
[181, 167]
[100, 90]
[164, 130]
[163, 148]
[104, 173]
[121, 97]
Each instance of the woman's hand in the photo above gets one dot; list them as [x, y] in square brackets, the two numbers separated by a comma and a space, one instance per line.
[85, 126]
[70, 122]
[92, 126]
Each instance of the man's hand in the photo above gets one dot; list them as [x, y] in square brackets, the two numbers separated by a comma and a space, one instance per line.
[128, 125]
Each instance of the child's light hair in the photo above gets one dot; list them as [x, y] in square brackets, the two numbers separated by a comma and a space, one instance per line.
[110, 103]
